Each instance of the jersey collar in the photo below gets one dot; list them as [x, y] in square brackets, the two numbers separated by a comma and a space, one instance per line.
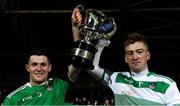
[140, 74]
[44, 83]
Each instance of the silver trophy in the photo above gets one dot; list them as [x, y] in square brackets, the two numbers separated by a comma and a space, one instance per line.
[96, 25]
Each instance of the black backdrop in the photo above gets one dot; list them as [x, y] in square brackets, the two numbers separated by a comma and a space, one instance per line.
[27, 24]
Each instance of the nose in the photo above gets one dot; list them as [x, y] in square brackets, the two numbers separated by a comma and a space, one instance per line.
[135, 56]
[39, 67]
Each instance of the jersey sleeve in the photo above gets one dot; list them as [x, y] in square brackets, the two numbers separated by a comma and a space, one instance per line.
[99, 73]
[8, 101]
[172, 95]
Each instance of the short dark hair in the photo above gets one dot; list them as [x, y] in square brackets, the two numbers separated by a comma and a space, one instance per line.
[39, 52]
[135, 37]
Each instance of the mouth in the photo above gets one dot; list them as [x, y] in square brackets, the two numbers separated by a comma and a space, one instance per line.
[39, 73]
[136, 63]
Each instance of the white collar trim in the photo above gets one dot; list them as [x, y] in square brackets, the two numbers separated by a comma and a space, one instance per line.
[140, 74]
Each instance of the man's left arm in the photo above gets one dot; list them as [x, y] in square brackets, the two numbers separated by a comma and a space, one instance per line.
[173, 95]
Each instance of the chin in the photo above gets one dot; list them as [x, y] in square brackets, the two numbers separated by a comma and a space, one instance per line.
[40, 80]
[136, 69]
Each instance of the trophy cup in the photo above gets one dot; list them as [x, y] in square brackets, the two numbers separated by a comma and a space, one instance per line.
[96, 26]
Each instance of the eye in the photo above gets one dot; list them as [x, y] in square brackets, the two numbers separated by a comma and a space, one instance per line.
[34, 64]
[140, 51]
[44, 64]
[129, 53]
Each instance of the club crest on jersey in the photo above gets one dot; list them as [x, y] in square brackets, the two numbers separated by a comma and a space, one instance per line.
[50, 84]
[152, 85]
[39, 94]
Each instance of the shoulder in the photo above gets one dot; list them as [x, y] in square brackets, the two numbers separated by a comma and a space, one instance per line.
[116, 75]
[123, 73]
[17, 91]
[58, 81]
[60, 86]
[55, 79]
[161, 78]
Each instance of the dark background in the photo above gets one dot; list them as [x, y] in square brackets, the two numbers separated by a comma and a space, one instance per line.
[27, 24]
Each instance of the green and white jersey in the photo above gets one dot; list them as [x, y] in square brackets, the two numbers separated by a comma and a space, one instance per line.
[52, 93]
[146, 88]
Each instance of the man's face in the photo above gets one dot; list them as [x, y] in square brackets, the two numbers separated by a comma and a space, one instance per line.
[38, 67]
[136, 56]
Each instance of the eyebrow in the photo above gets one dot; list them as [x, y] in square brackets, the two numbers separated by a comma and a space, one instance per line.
[38, 63]
[134, 50]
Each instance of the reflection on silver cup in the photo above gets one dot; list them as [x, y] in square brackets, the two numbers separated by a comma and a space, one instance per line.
[96, 26]
[83, 54]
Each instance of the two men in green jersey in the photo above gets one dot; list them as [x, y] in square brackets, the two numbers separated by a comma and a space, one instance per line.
[138, 86]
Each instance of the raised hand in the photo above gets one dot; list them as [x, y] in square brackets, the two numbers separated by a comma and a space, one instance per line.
[76, 20]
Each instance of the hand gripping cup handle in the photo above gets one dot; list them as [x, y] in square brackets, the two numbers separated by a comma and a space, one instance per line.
[96, 26]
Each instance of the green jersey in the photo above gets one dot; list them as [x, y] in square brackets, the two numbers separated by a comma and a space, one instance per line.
[52, 93]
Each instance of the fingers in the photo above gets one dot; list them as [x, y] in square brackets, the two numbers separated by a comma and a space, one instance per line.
[103, 43]
[76, 17]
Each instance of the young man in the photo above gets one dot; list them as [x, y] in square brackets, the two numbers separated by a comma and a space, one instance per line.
[138, 86]
[40, 90]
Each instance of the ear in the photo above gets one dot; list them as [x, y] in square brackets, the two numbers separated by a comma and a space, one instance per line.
[125, 58]
[27, 67]
[50, 67]
[148, 55]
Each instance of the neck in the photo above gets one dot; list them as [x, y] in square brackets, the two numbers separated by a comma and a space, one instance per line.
[140, 73]
[38, 83]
